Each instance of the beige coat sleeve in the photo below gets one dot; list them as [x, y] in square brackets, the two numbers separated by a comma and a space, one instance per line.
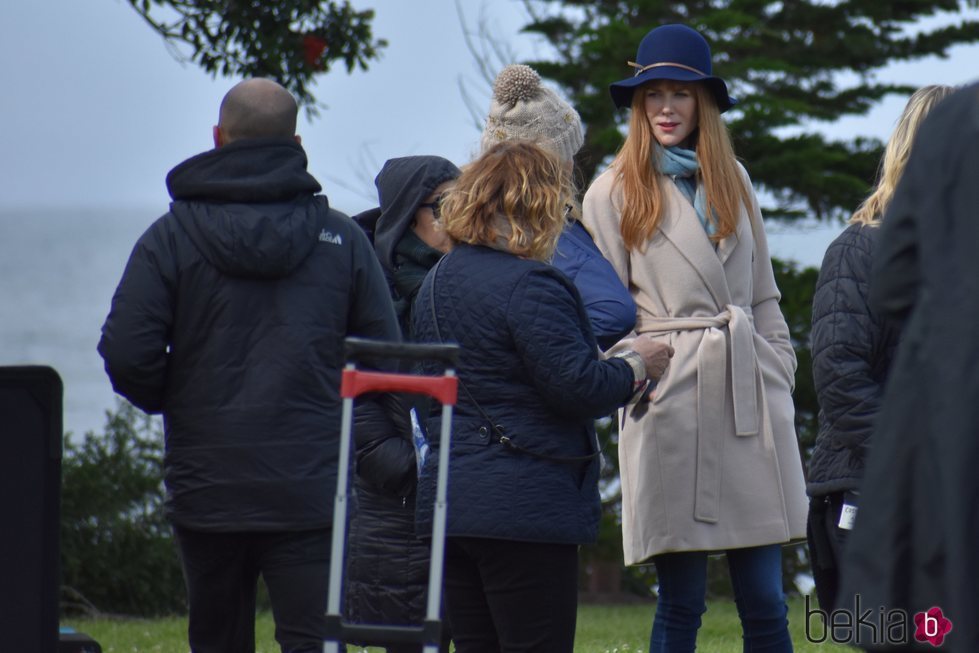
[600, 215]
[769, 321]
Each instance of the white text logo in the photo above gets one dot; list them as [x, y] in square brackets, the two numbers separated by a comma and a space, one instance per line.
[330, 237]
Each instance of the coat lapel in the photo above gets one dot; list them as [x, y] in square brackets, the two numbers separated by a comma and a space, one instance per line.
[681, 227]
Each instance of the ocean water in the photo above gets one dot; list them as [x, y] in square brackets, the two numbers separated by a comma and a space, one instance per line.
[58, 270]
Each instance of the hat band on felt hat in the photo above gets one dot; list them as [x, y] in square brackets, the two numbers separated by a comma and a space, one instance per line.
[641, 69]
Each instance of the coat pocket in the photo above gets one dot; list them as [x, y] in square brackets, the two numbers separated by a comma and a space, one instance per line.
[772, 363]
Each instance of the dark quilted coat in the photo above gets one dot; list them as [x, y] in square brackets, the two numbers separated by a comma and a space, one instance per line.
[387, 564]
[530, 360]
[852, 349]
[914, 544]
[230, 319]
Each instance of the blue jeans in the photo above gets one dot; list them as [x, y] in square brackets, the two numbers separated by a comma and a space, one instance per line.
[756, 575]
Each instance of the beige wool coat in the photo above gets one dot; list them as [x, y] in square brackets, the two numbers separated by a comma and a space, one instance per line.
[713, 463]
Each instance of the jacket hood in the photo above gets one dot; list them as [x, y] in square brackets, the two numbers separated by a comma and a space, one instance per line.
[402, 184]
[249, 207]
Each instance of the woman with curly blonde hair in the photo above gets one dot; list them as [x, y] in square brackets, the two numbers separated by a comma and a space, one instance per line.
[711, 465]
[852, 349]
[514, 201]
[524, 109]
[524, 463]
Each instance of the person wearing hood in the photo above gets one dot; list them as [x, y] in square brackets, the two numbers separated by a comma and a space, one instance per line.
[387, 563]
[229, 320]
[404, 228]
[524, 109]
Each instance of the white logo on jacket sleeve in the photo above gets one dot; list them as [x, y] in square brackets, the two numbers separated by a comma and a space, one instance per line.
[330, 237]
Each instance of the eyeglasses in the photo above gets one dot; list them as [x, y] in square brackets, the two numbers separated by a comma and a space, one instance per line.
[435, 205]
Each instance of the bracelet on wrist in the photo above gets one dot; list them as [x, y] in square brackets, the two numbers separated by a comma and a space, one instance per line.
[639, 376]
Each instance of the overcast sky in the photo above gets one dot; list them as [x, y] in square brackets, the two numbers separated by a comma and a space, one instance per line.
[96, 110]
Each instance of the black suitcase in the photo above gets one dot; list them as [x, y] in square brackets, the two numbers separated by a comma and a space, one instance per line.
[30, 506]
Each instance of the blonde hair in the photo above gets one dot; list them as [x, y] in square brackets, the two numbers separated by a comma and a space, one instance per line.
[725, 187]
[897, 151]
[514, 197]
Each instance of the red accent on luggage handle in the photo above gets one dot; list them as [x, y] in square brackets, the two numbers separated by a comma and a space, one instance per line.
[357, 382]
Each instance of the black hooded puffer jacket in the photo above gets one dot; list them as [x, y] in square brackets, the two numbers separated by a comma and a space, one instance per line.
[387, 564]
[230, 319]
[402, 185]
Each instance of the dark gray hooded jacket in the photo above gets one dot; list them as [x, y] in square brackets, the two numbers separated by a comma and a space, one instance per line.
[229, 319]
[387, 565]
[402, 184]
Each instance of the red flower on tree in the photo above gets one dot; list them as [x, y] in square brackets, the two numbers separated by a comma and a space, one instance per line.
[313, 49]
[931, 626]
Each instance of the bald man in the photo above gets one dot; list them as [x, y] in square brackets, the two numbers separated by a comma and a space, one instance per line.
[229, 320]
[256, 108]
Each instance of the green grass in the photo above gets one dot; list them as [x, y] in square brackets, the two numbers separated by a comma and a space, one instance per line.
[601, 629]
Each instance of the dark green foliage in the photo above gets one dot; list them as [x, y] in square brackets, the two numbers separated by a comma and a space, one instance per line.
[116, 547]
[791, 64]
[286, 40]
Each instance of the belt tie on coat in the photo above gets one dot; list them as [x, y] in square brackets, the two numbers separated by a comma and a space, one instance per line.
[718, 352]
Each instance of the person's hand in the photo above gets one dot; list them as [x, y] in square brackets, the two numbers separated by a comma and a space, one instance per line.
[655, 355]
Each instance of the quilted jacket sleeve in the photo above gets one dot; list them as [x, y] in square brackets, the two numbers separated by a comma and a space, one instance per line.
[385, 453]
[136, 331]
[546, 319]
[844, 336]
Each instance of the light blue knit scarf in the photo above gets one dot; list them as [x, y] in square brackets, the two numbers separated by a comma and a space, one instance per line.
[681, 164]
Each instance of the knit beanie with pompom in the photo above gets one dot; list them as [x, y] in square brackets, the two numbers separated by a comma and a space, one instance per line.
[523, 109]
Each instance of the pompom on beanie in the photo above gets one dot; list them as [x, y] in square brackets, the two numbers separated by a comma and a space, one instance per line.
[523, 109]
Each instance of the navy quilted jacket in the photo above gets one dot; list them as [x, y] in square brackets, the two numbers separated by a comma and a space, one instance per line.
[529, 359]
[852, 349]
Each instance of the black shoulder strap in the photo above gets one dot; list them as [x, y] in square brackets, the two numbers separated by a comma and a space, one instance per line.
[498, 434]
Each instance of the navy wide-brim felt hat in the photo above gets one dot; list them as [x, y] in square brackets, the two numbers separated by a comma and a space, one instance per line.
[674, 52]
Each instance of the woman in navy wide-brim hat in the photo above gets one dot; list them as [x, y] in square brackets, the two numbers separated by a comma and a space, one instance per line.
[711, 464]
[673, 52]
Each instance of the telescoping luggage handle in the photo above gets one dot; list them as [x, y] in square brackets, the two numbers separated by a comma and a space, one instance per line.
[354, 383]
[359, 348]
